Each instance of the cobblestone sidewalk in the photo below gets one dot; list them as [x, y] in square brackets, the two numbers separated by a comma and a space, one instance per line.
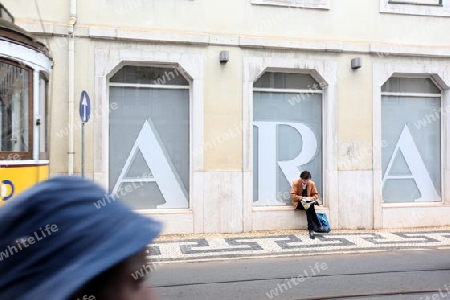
[179, 248]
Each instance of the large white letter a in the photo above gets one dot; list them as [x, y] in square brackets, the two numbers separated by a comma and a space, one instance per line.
[164, 174]
[416, 166]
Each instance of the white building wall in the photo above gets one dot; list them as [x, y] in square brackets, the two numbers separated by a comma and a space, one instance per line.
[322, 39]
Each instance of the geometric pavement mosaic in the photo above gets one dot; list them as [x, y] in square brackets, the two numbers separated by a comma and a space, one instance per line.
[292, 244]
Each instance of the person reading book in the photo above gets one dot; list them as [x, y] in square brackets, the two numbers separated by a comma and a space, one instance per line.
[304, 196]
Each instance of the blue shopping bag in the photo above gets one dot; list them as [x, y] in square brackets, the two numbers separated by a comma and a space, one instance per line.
[324, 221]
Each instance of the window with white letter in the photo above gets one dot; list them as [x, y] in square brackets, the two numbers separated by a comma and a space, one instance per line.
[287, 134]
[149, 137]
[411, 135]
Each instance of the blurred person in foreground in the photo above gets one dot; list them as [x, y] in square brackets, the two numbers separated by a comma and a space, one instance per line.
[56, 245]
[304, 196]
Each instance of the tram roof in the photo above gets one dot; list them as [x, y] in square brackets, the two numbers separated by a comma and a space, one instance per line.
[12, 32]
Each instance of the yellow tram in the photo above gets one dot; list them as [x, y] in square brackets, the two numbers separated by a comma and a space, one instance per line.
[25, 66]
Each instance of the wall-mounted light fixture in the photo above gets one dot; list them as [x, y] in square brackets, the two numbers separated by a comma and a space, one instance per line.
[224, 57]
[356, 63]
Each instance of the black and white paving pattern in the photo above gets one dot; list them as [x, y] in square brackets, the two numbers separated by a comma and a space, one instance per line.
[292, 243]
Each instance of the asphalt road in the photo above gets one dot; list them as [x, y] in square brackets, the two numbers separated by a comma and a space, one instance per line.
[408, 275]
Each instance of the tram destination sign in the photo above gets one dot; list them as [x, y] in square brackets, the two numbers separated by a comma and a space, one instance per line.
[85, 107]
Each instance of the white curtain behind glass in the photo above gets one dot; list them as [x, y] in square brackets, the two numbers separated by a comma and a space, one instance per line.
[168, 112]
[417, 118]
[278, 107]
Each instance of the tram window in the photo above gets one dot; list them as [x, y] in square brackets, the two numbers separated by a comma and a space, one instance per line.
[43, 113]
[15, 91]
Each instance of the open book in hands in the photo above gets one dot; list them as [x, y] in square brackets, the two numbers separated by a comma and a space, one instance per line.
[309, 200]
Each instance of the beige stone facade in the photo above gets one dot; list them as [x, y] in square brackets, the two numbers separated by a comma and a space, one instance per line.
[318, 38]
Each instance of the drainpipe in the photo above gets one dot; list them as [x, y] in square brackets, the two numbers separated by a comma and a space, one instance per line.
[71, 37]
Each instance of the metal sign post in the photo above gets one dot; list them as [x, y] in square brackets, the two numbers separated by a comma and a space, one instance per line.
[85, 113]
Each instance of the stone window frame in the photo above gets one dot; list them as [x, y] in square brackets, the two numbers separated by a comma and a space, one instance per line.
[381, 73]
[322, 71]
[107, 62]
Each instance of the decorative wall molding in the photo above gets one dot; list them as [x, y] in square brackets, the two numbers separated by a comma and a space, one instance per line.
[243, 41]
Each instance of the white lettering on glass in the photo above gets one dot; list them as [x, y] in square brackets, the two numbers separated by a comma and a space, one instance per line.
[419, 172]
[267, 158]
[164, 174]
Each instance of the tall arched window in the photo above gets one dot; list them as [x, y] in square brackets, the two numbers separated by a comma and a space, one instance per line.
[287, 134]
[411, 140]
[149, 137]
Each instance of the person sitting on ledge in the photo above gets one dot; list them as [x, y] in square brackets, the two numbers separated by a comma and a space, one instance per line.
[304, 196]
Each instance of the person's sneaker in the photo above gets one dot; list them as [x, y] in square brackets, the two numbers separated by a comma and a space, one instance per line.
[321, 229]
[311, 234]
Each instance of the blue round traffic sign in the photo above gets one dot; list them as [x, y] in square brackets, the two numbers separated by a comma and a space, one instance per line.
[85, 107]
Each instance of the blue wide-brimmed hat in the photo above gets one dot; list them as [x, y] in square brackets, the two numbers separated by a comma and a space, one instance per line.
[54, 239]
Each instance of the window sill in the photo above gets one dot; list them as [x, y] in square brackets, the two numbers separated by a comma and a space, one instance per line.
[412, 204]
[283, 208]
[163, 211]
[317, 4]
[419, 4]
[273, 207]
[387, 6]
